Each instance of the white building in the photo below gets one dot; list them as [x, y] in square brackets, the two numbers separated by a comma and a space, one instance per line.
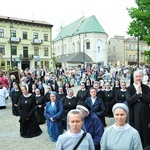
[84, 37]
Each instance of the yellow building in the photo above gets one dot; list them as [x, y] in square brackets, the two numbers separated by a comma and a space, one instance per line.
[25, 43]
[131, 51]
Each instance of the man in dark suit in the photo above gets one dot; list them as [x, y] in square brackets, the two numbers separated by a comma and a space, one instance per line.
[42, 74]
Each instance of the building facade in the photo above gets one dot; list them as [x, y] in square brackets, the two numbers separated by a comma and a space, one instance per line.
[131, 51]
[25, 43]
[84, 35]
[124, 51]
[116, 53]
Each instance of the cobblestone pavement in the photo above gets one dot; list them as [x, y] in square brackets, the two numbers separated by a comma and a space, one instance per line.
[9, 133]
[10, 138]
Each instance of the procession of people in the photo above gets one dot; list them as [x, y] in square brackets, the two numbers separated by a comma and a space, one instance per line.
[39, 100]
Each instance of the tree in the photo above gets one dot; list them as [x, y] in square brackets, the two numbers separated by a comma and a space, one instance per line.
[140, 26]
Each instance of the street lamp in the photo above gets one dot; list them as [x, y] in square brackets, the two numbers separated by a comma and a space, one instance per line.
[138, 43]
[11, 64]
[84, 51]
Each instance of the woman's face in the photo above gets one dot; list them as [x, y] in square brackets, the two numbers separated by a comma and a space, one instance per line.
[16, 87]
[70, 93]
[107, 86]
[120, 117]
[117, 82]
[37, 91]
[24, 91]
[96, 86]
[137, 77]
[87, 81]
[93, 93]
[85, 113]
[67, 85]
[82, 86]
[123, 86]
[33, 87]
[49, 89]
[52, 97]
[75, 122]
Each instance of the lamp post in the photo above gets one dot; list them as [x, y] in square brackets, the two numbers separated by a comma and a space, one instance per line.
[138, 43]
[84, 51]
[11, 26]
[83, 55]
[98, 54]
[10, 55]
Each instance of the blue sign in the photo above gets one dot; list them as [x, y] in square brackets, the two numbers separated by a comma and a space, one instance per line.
[38, 58]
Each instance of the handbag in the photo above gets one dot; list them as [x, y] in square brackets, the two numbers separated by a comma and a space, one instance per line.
[83, 135]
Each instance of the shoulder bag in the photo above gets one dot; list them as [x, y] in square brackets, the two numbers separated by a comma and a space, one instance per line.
[83, 135]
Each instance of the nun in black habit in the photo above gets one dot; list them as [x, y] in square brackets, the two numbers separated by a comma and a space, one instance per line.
[40, 104]
[15, 98]
[28, 123]
[138, 99]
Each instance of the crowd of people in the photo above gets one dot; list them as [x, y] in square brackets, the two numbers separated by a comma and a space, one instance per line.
[44, 97]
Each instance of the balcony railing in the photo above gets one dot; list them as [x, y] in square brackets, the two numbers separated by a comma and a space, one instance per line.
[37, 41]
[30, 56]
[14, 40]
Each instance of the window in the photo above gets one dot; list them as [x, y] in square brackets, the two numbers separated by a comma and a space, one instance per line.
[45, 51]
[12, 33]
[45, 37]
[87, 45]
[127, 46]
[36, 51]
[8, 63]
[1, 33]
[25, 51]
[35, 35]
[114, 49]
[2, 49]
[14, 50]
[113, 58]
[24, 35]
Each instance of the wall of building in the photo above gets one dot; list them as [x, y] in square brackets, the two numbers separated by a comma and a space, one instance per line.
[77, 43]
[21, 27]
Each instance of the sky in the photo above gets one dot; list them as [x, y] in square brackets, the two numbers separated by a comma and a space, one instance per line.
[111, 14]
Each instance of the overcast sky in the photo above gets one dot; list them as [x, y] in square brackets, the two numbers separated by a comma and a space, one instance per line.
[111, 14]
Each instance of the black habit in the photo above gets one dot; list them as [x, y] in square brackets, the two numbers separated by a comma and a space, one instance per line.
[139, 111]
[28, 123]
[15, 98]
[82, 95]
[68, 104]
[109, 102]
[120, 96]
[40, 100]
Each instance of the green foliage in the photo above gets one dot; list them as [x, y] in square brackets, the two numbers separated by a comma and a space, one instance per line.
[147, 54]
[140, 26]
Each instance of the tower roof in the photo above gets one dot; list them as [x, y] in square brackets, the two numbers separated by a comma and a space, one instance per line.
[81, 26]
